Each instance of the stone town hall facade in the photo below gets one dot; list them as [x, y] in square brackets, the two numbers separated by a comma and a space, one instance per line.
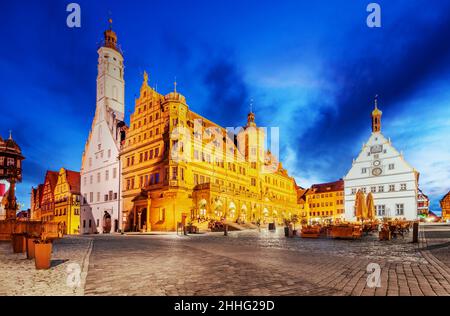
[179, 166]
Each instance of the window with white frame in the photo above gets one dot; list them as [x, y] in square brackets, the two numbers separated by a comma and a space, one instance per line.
[381, 210]
[403, 187]
[391, 166]
[399, 209]
[391, 187]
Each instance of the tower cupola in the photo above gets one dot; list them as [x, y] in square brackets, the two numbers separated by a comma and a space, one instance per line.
[251, 116]
[251, 120]
[376, 118]
[110, 37]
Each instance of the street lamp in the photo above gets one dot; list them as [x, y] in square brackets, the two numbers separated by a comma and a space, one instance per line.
[10, 170]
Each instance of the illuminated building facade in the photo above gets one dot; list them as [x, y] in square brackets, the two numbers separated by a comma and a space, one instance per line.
[67, 201]
[383, 171]
[178, 166]
[48, 196]
[423, 204]
[445, 206]
[326, 201]
[36, 201]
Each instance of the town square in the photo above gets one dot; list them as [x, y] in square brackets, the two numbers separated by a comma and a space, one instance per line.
[247, 263]
[138, 160]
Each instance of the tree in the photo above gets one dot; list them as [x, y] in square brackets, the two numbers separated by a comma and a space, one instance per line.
[294, 219]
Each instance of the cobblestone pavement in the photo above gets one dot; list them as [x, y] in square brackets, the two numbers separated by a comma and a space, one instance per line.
[244, 263]
[18, 275]
[253, 263]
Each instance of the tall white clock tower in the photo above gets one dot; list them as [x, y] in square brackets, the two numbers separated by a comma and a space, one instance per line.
[100, 170]
[382, 170]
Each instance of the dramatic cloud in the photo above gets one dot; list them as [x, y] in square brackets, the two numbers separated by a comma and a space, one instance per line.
[227, 93]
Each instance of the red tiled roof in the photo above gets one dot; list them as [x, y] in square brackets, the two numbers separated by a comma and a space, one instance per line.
[328, 187]
[301, 194]
[74, 180]
[52, 177]
[40, 192]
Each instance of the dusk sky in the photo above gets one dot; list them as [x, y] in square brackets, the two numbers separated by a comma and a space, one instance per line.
[311, 67]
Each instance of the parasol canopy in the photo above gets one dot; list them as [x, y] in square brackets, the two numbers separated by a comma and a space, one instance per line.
[370, 206]
[360, 205]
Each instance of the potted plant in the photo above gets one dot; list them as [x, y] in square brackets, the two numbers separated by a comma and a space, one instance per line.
[287, 222]
[19, 242]
[294, 220]
[191, 228]
[31, 238]
[42, 252]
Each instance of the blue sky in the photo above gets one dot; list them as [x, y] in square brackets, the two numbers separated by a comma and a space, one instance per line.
[311, 67]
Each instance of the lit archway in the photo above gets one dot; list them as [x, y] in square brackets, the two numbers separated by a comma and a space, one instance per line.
[265, 214]
[202, 207]
[243, 215]
[232, 210]
[218, 208]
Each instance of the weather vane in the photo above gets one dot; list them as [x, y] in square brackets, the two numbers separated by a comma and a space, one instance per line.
[110, 20]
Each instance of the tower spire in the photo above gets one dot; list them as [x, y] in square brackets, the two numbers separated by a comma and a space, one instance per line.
[175, 85]
[145, 77]
[376, 117]
[251, 116]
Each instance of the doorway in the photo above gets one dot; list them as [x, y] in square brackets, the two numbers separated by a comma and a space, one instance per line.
[142, 216]
[106, 223]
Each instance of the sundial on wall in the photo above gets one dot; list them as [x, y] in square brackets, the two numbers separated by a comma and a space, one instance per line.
[377, 172]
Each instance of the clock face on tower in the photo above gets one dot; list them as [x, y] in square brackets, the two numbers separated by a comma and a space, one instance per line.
[377, 163]
[377, 172]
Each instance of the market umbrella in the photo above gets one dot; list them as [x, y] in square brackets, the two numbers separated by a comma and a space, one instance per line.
[370, 206]
[360, 205]
[358, 210]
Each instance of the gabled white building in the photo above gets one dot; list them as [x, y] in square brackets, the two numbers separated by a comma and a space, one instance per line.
[382, 170]
[100, 170]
